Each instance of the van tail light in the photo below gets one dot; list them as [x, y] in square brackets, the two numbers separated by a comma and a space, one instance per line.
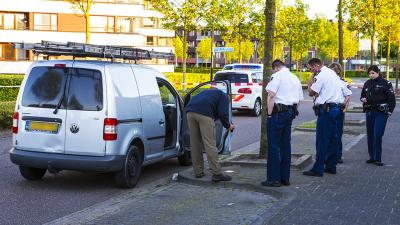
[245, 91]
[15, 123]
[110, 129]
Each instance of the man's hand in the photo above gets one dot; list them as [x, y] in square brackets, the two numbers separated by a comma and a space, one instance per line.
[363, 100]
[232, 127]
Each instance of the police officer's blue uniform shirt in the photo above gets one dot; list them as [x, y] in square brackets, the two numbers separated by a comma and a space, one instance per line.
[328, 86]
[286, 86]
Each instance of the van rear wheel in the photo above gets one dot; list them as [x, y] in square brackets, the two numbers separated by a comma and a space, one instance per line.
[30, 173]
[257, 108]
[185, 159]
[129, 175]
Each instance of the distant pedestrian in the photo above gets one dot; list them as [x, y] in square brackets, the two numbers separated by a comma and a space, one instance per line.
[379, 101]
[326, 87]
[344, 103]
[284, 94]
[202, 111]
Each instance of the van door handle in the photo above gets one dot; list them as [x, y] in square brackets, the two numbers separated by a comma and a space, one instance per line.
[161, 122]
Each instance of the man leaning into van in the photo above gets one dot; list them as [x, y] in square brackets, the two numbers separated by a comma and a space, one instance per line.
[202, 110]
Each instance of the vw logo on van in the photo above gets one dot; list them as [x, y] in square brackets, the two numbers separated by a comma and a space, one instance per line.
[74, 128]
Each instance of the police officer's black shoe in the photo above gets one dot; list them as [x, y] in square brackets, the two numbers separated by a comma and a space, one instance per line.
[370, 161]
[285, 182]
[340, 161]
[312, 174]
[330, 171]
[200, 175]
[271, 183]
[221, 177]
[377, 163]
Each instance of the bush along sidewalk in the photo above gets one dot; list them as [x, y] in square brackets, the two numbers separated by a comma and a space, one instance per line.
[9, 87]
[6, 112]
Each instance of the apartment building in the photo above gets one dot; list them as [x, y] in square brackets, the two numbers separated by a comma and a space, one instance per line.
[112, 22]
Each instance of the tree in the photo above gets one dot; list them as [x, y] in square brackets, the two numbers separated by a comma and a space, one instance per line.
[340, 28]
[204, 49]
[270, 9]
[237, 54]
[182, 17]
[178, 48]
[363, 18]
[84, 6]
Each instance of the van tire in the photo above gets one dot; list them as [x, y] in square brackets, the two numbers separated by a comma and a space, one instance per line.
[257, 108]
[185, 159]
[129, 175]
[30, 173]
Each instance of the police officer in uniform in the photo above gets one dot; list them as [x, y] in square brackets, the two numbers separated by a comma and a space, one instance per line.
[344, 101]
[379, 102]
[284, 94]
[326, 86]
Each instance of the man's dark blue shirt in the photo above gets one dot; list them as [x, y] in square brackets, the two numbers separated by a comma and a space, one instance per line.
[212, 103]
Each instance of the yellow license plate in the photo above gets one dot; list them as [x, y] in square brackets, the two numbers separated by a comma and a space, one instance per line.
[42, 126]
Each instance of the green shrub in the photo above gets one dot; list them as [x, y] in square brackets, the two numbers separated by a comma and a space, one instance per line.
[197, 70]
[9, 94]
[303, 76]
[6, 112]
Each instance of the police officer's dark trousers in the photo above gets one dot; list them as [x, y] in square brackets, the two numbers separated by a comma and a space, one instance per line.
[326, 140]
[376, 123]
[279, 127]
[340, 125]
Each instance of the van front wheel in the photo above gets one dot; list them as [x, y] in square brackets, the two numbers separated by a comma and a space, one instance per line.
[129, 175]
[30, 173]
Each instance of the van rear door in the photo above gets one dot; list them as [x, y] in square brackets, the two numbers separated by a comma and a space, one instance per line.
[41, 126]
[222, 135]
[85, 110]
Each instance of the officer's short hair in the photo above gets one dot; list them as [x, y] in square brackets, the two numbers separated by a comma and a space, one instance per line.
[374, 68]
[314, 62]
[336, 67]
[277, 63]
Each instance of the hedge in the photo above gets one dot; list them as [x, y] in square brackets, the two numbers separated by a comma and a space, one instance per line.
[9, 94]
[196, 70]
[6, 112]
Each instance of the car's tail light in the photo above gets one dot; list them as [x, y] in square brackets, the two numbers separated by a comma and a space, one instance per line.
[110, 129]
[245, 90]
[15, 123]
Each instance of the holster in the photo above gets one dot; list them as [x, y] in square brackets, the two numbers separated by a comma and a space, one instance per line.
[316, 110]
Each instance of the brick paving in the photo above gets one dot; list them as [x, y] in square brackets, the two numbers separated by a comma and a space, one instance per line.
[359, 194]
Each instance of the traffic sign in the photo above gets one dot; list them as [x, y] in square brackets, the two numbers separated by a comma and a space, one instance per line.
[222, 49]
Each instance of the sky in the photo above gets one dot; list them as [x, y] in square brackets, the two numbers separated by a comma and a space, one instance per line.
[324, 7]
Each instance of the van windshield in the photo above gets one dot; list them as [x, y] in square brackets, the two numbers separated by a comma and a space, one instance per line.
[232, 77]
[45, 87]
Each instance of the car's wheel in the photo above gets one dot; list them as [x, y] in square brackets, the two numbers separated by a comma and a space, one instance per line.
[30, 173]
[257, 108]
[185, 159]
[129, 175]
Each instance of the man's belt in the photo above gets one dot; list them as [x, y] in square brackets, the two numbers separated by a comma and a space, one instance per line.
[326, 107]
[380, 107]
[280, 108]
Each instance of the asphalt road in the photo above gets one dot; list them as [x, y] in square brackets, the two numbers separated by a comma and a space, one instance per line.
[57, 195]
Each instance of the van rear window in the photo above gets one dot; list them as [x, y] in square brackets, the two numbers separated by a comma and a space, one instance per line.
[46, 86]
[232, 77]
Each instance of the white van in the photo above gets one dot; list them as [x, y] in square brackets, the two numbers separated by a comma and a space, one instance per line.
[101, 117]
[246, 88]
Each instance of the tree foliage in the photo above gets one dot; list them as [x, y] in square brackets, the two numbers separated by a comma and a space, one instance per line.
[245, 54]
[204, 49]
[84, 6]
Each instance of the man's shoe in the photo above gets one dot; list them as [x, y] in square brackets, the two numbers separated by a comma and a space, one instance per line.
[330, 171]
[311, 173]
[370, 161]
[221, 177]
[271, 183]
[340, 161]
[200, 175]
[377, 163]
[285, 182]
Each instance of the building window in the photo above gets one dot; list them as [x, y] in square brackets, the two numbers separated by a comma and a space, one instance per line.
[151, 41]
[165, 42]
[13, 21]
[42, 21]
[126, 24]
[150, 22]
[9, 53]
[102, 24]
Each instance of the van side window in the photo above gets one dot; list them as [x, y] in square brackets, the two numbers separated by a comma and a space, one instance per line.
[167, 98]
[45, 87]
[85, 90]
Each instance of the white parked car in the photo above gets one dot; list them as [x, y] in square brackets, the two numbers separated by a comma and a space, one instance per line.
[246, 88]
[101, 117]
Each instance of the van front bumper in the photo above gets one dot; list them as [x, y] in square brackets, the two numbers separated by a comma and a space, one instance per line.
[56, 161]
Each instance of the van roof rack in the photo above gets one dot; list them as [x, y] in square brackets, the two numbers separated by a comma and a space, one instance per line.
[75, 49]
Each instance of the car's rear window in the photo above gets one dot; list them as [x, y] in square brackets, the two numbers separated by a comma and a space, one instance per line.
[232, 77]
[46, 86]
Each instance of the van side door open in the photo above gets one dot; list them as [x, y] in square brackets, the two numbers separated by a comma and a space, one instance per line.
[222, 135]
